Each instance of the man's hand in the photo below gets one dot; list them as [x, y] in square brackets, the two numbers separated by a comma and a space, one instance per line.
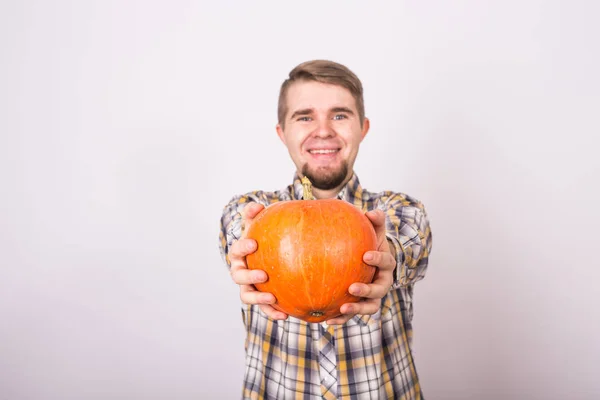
[371, 293]
[246, 278]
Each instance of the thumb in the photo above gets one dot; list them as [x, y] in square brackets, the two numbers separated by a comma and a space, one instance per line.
[377, 218]
[250, 212]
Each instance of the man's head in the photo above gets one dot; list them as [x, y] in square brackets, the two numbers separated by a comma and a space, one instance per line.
[322, 121]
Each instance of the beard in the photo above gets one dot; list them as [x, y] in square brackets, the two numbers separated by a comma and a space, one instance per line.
[325, 179]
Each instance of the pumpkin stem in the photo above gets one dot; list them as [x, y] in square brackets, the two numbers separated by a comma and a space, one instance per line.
[307, 187]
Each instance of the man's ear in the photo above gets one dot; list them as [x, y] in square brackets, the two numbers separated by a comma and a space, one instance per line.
[279, 130]
[365, 128]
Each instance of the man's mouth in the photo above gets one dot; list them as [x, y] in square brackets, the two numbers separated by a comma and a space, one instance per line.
[323, 151]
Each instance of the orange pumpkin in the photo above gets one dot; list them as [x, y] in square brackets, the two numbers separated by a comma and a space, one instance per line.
[312, 252]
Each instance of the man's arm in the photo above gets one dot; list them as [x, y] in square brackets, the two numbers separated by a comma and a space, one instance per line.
[231, 226]
[409, 235]
[404, 243]
[232, 221]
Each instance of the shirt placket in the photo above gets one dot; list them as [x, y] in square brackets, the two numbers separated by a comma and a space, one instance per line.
[327, 361]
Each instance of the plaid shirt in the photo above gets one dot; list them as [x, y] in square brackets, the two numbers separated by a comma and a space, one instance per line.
[369, 357]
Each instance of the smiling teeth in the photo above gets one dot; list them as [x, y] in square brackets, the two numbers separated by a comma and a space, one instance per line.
[322, 151]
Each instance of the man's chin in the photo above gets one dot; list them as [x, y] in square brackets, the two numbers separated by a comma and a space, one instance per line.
[324, 178]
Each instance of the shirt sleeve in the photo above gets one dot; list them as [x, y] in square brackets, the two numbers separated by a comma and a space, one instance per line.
[407, 226]
[231, 221]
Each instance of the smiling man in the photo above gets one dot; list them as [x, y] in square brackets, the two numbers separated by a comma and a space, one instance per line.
[366, 352]
[321, 125]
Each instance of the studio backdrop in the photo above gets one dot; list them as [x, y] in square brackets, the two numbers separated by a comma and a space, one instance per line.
[126, 126]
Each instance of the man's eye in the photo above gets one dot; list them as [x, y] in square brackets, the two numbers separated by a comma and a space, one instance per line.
[304, 119]
[340, 116]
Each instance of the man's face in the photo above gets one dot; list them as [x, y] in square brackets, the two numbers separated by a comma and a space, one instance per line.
[322, 132]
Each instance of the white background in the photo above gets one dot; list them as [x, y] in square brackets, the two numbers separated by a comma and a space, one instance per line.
[127, 125]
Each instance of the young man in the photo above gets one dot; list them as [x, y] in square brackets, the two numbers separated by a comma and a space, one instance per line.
[366, 352]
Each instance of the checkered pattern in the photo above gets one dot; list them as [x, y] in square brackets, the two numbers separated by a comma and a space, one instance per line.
[327, 362]
[369, 357]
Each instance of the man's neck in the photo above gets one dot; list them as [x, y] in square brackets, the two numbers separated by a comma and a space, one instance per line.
[325, 194]
[330, 193]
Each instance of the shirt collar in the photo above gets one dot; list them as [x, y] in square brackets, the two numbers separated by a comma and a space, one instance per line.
[349, 192]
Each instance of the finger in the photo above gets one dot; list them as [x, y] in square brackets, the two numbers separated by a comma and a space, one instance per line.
[241, 249]
[249, 295]
[244, 276]
[384, 278]
[375, 290]
[366, 307]
[383, 260]
[339, 320]
[272, 312]
[251, 210]
[377, 218]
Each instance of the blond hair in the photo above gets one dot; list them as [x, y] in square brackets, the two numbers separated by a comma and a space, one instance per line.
[323, 71]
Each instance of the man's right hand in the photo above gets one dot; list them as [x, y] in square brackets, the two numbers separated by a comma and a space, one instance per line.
[246, 278]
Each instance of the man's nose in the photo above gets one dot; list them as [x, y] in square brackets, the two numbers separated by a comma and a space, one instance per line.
[324, 129]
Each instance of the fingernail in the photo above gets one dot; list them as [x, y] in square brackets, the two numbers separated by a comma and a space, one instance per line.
[369, 256]
[259, 277]
[250, 246]
[268, 299]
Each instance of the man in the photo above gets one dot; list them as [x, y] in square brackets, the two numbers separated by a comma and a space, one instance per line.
[366, 352]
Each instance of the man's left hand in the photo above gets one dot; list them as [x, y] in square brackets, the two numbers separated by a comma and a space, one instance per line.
[372, 293]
